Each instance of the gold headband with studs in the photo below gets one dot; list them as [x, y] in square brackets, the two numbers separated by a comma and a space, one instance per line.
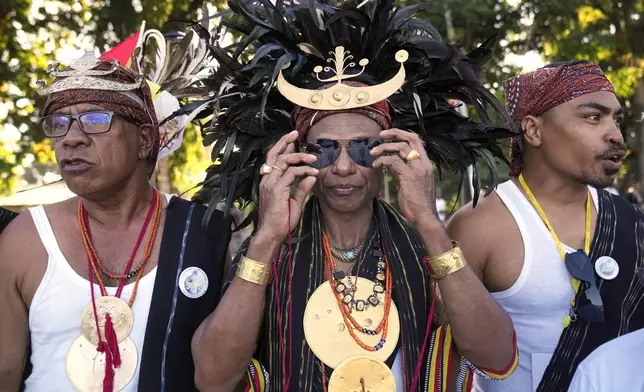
[342, 96]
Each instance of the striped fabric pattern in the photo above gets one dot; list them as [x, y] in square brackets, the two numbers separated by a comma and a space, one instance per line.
[439, 364]
[412, 294]
[258, 380]
[619, 234]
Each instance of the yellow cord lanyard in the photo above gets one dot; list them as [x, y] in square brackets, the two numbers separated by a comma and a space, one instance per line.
[575, 283]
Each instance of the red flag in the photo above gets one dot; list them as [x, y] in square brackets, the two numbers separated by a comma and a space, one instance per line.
[123, 51]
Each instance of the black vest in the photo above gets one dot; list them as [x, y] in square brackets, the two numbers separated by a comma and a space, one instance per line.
[620, 235]
[167, 363]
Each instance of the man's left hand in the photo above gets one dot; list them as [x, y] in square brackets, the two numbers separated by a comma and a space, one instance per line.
[415, 177]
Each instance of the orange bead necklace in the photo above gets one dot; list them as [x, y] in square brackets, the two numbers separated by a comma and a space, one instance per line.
[155, 213]
[346, 310]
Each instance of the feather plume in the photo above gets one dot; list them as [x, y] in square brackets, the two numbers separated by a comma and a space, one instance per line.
[247, 114]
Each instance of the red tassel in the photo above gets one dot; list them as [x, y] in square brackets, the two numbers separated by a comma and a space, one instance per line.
[108, 379]
[112, 342]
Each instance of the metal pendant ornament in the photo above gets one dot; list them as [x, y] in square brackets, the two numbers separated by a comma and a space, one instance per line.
[85, 366]
[606, 268]
[193, 282]
[342, 96]
[120, 313]
[326, 332]
[362, 373]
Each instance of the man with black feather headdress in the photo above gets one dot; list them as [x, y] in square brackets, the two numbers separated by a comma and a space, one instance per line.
[335, 290]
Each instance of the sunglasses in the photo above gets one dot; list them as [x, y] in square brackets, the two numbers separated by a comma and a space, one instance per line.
[589, 305]
[328, 151]
[91, 123]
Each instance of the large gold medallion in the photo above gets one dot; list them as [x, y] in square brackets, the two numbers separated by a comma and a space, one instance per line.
[326, 332]
[119, 311]
[362, 373]
[86, 366]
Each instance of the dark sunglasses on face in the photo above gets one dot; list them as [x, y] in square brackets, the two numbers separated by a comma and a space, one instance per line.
[589, 304]
[328, 151]
[91, 123]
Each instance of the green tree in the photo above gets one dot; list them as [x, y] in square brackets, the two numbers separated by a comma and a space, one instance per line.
[607, 32]
[35, 35]
[469, 23]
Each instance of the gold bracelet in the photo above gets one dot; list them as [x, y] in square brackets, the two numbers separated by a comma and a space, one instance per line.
[254, 272]
[446, 263]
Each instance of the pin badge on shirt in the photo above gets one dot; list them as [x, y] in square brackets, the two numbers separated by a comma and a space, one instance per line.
[606, 267]
[193, 282]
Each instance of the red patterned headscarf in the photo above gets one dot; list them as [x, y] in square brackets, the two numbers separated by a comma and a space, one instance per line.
[534, 93]
[303, 118]
[135, 106]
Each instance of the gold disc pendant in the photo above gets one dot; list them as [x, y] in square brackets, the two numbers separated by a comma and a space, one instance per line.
[362, 373]
[120, 312]
[326, 332]
[86, 367]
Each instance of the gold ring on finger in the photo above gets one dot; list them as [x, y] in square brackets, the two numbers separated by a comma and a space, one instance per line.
[413, 154]
[265, 169]
[277, 168]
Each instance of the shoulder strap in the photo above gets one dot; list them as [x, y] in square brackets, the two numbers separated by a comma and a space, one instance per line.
[46, 232]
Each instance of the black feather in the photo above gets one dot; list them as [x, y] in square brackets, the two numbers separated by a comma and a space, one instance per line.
[251, 114]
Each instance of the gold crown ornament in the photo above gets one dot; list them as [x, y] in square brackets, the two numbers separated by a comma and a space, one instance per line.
[81, 75]
[342, 96]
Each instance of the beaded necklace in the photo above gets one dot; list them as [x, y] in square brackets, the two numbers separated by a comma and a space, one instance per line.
[89, 246]
[110, 345]
[346, 302]
[154, 214]
[346, 255]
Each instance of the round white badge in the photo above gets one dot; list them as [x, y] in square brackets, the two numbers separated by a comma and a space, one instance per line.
[193, 282]
[606, 267]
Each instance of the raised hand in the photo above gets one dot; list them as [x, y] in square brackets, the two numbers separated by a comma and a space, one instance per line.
[414, 173]
[283, 166]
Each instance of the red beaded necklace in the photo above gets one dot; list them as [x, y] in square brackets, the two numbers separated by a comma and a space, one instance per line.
[110, 345]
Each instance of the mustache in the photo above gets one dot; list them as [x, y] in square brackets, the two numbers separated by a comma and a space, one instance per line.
[619, 150]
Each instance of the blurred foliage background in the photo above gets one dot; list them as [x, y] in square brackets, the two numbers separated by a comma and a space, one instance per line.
[530, 33]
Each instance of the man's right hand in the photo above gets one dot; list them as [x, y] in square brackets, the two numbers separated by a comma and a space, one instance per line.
[275, 221]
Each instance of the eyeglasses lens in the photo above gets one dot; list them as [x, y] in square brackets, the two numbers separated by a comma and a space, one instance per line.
[95, 122]
[55, 126]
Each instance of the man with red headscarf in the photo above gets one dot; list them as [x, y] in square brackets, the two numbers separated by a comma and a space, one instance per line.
[557, 252]
[106, 290]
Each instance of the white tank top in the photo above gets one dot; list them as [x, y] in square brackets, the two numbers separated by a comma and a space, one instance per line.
[539, 299]
[54, 315]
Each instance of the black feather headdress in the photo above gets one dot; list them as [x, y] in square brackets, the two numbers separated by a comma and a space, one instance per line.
[245, 113]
